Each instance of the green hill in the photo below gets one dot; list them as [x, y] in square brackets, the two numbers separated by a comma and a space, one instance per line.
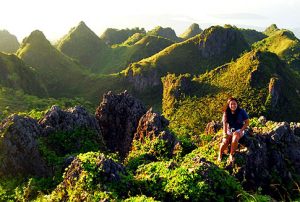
[193, 30]
[15, 74]
[113, 36]
[84, 45]
[91, 51]
[215, 46]
[60, 74]
[167, 33]
[284, 44]
[8, 42]
[260, 80]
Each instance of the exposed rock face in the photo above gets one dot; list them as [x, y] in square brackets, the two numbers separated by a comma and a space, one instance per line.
[270, 158]
[118, 117]
[275, 90]
[144, 81]
[19, 154]
[65, 121]
[219, 41]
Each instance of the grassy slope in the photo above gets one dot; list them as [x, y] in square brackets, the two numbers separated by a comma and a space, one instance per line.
[284, 44]
[247, 79]
[15, 74]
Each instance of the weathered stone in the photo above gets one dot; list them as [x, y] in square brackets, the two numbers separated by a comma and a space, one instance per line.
[152, 125]
[118, 116]
[271, 157]
[68, 120]
[19, 153]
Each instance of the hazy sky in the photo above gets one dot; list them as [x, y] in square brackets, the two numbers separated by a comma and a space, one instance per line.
[56, 17]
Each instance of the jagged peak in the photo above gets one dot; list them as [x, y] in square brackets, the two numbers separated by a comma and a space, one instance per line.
[271, 29]
[36, 36]
[192, 30]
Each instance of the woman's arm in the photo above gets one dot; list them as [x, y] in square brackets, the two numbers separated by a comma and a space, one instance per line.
[225, 125]
[245, 125]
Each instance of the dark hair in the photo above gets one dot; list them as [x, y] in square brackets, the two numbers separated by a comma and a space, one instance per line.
[227, 110]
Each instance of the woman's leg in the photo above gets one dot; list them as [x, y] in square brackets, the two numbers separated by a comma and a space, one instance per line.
[234, 144]
[224, 144]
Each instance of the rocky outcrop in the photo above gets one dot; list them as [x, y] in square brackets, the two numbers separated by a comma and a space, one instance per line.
[271, 159]
[79, 176]
[118, 116]
[19, 153]
[68, 120]
[143, 81]
[275, 86]
[153, 125]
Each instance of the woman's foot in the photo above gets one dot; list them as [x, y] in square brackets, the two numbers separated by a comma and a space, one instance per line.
[231, 159]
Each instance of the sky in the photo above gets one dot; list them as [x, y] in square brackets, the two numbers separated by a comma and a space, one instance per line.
[56, 17]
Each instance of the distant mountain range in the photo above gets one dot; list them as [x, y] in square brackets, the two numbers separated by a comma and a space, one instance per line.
[85, 65]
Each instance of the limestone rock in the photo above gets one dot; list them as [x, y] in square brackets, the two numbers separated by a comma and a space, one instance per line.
[68, 120]
[118, 116]
[19, 153]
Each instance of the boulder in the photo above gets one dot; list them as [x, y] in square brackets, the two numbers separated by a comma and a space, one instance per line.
[19, 153]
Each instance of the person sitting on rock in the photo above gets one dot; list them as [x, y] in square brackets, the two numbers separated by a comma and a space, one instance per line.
[235, 121]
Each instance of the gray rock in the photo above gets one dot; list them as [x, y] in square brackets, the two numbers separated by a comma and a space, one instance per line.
[65, 121]
[118, 116]
[19, 153]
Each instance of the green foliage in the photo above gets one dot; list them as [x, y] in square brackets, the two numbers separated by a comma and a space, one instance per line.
[191, 180]
[141, 198]
[146, 151]
[55, 147]
[91, 184]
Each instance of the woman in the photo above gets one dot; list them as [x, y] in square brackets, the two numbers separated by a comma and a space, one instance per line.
[235, 121]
